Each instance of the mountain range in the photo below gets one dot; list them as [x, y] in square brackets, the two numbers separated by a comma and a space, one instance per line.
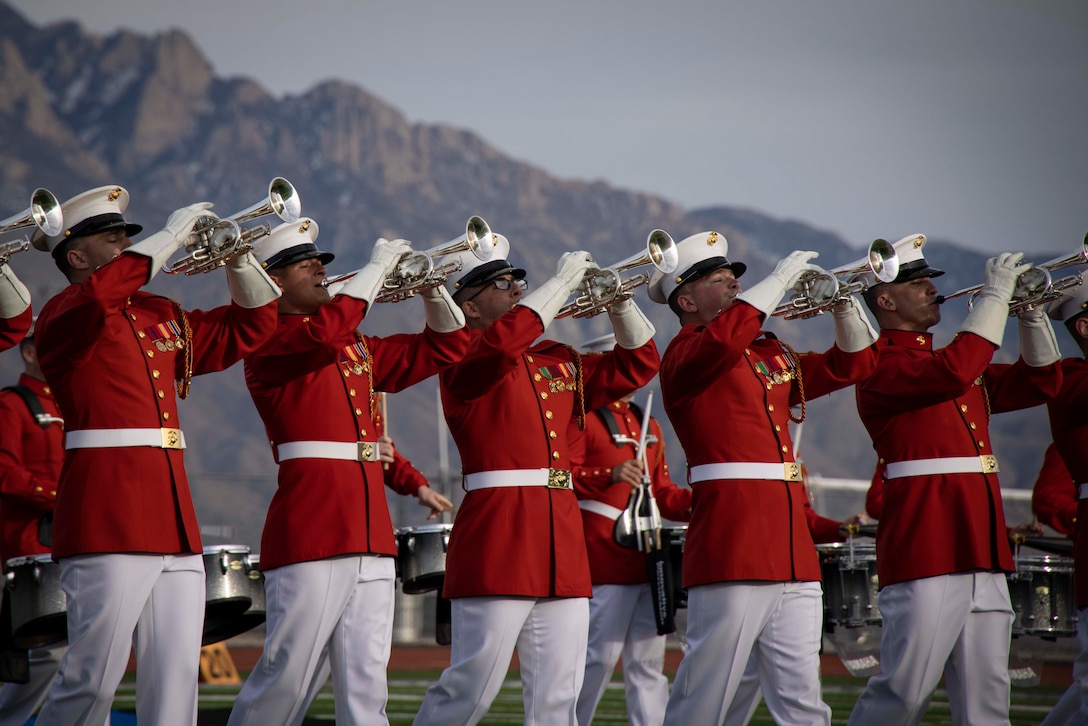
[78, 110]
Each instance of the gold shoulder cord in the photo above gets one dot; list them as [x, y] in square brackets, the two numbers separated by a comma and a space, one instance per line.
[985, 395]
[576, 361]
[369, 377]
[186, 379]
[800, 381]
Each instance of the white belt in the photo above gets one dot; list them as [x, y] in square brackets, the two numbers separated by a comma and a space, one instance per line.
[341, 450]
[985, 464]
[605, 510]
[551, 478]
[1083, 490]
[116, 438]
[775, 471]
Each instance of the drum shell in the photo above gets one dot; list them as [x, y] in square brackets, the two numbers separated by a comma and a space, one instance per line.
[223, 623]
[226, 580]
[1043, 597]
[421, 557]
[39, 608]
[851, 587]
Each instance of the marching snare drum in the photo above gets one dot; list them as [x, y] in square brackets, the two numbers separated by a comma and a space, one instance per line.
[421, 557]
[39, 612]
[850, 584]
[1042, 597]
[674, 538]
[221, 627]
[226, 572]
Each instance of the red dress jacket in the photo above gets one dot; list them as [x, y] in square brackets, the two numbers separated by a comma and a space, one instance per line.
[97, 347]
[718, 382]
[594, 453]
[312, 381]
[1069, 427]
[30, 461]
[1054, 494]
[508, 405]
[13, 330]
[923, 403]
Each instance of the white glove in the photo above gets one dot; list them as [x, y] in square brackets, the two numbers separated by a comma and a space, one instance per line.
[249, 285]
[443, 315]
[367, 283]
[853, 331]
[768, 292]
[548, 299]
[990, 310]
[162, 245]
[14, 297]
[632, 328]
[572, 268]
[1038, 344]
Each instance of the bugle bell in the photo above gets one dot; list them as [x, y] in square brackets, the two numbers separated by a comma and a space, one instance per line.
[44, 213]
[604, 287]
[1035, 286]
[417, 271]
[810, 297]
[214, 241]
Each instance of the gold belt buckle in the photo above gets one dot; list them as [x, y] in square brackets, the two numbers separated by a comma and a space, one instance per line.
[989, 464]
[171, 438]
[558, 479]
[367, 451]
[792, 471]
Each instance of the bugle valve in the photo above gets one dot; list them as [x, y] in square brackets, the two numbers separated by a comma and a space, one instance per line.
[416, 271]
[1035, 286]
[604, 287]
[810, 297]
[214, 241]
[44, 213]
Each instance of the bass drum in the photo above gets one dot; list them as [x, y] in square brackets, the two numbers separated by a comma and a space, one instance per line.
[218, 628]
[421, 557]
[39, 609]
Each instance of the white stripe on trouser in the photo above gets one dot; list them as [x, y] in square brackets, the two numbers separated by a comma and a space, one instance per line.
[19, 701]
[550, 637]
[1072, 708]
[621, 621]
[779, 623]
[153, 604]
[344, 604]
[957, 624]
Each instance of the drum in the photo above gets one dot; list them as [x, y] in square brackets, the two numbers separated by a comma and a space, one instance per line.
[674, 538]
[850, 584]
[228, 589]
[221, 627]
[421, 557]
[39, 615]
[1042, 597]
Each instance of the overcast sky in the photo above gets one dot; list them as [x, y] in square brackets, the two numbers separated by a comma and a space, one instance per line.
[961, 119]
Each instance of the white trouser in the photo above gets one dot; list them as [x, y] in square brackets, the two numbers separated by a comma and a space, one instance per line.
[1072, 708]
[550, 636]
[18, 701]
[621, 621]
[153, 604]
[777, 623]
[960, 624]
[747, 698]
[344, 604]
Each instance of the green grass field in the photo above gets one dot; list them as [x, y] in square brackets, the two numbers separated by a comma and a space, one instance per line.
[1029, 705]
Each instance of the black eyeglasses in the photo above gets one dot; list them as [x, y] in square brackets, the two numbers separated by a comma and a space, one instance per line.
[500, 283]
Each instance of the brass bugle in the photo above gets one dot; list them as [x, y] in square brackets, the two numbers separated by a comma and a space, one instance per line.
[417, 271]
[604, 287]
[44, 213]
[214, 241]
[882, 261]
[1036, 285]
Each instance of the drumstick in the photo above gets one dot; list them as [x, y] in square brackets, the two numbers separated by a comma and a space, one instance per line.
[384, 407]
